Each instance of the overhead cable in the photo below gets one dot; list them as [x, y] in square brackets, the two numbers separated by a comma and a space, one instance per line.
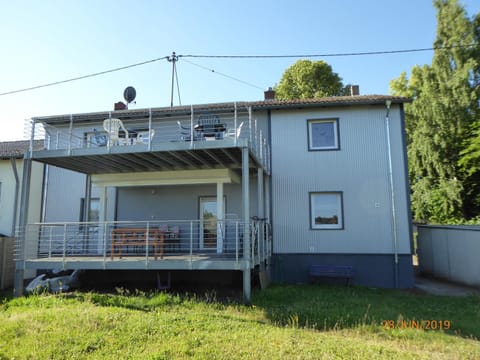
[384, 52]
[236, 57]
[83, 76]
[221, 74]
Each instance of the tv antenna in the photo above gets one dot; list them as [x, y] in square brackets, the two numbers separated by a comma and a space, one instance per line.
[173, 59]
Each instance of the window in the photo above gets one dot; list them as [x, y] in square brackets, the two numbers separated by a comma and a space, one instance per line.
[94, 212]
[323, 134]
[326, 210]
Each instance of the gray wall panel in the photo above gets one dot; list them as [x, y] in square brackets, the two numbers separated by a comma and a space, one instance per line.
[359, 169]
[375, 270]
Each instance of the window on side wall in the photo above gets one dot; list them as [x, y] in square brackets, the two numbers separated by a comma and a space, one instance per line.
[323, 134]
[326, 211]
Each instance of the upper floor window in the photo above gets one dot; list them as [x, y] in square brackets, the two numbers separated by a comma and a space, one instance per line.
[323, 134]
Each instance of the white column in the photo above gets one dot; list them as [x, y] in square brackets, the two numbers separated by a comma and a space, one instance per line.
[220, 217]
[102, 218]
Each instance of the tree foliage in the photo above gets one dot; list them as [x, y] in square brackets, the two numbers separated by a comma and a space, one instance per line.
[442, 118]
[309, 79]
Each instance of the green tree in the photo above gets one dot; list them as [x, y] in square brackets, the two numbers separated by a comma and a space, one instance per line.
[440, 119]
[309, 79]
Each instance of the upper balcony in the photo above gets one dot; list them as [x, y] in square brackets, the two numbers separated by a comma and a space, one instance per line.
[185, 137]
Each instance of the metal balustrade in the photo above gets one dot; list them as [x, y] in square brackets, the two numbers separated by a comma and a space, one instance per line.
[181, 240]
[146, 133]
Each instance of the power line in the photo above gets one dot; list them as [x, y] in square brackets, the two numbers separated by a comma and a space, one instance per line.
[221, 74]
[83, 76]
[386, 52]
[383, 52]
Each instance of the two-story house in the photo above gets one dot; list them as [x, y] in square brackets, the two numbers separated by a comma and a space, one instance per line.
[269, 185]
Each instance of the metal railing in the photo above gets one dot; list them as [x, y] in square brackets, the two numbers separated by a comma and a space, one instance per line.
[147, 132]
[182, 240]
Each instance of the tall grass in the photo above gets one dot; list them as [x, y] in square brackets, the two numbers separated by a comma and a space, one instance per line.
[283, 322]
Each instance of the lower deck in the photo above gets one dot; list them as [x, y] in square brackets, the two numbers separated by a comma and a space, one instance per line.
[170, 262]
[145, 245]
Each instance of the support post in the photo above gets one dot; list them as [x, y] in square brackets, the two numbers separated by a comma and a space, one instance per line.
[86, 212]
[220, 218]
[23, 220]
[246, 228]
[261, 215]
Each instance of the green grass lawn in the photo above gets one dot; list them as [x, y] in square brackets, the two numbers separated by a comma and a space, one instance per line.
[283, 322]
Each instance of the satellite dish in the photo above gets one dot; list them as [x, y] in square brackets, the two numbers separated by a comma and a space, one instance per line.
[129, 94]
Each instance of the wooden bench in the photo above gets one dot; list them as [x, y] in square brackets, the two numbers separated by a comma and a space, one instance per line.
[331, 271]
[137, 237]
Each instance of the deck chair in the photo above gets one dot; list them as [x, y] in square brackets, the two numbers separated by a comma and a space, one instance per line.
[98, 139]
[185, 133]
[235, 133]
[112, 126]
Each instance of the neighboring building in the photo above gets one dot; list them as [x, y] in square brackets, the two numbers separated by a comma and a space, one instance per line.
[320, 181]
[11, 172]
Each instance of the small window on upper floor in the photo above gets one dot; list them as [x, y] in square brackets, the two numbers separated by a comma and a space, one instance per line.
[323, 134]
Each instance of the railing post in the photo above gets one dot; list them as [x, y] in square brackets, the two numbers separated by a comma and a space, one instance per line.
[64, 244]
[191, 126]
[104, 244]
[235, 122]
[146, 242]
[70, 130]
[50, 243]
[191, 240]
[237, 240]
[109, 142]
[149, 129]
[250, 135]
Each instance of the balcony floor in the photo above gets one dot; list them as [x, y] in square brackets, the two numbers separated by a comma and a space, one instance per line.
[168, 262]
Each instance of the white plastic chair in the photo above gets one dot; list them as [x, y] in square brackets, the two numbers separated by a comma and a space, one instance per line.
[112, 127]
[235, 132]
[144, 138]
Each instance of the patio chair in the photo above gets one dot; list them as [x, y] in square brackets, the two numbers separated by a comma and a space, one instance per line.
[235, 133]
[185, 133]
[144, 138]
[112, 126]
[99, 139]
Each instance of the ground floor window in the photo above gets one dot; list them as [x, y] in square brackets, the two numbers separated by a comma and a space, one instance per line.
[326, 210]
[94, 211]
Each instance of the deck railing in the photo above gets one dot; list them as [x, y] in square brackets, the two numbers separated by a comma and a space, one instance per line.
[144, 133]
[186, 239]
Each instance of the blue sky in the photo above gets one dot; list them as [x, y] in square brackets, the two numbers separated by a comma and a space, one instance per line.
[47, 41]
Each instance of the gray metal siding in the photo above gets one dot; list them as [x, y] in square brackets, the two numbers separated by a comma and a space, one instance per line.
[373, 270]
[359, 170]
[65, 188]
[177, 202]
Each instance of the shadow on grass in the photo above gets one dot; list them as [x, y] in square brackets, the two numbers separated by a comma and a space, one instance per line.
[6, 295]
[327, 307]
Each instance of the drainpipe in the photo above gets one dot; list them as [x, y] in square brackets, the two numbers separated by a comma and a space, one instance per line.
[388, 103]
[13, 161]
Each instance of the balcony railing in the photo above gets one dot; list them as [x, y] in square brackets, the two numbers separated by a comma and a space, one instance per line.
[145, 133]
[145, 240]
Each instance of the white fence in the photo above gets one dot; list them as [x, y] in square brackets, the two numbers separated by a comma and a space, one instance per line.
[450, 252]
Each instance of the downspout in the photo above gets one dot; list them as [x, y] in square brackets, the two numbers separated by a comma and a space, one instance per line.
[13, 161]
[388, 103]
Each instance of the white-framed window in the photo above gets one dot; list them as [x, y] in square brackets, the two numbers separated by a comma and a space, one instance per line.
[323, 134]
[326, 210]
